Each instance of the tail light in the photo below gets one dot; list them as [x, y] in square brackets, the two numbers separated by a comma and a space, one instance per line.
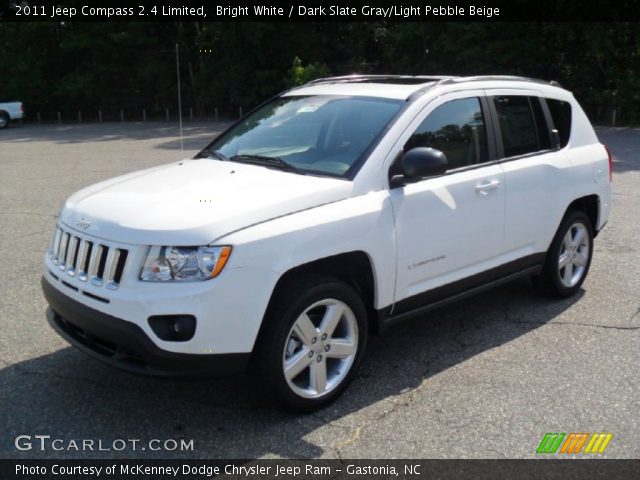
[21, 108]
[610, 163]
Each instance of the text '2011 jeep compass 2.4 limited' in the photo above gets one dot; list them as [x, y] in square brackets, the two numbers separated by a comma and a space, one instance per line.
[321, 216]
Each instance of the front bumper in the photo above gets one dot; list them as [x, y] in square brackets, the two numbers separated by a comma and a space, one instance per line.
[125, 345]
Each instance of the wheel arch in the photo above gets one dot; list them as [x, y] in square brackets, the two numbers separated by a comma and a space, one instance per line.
[590, 205]
[355, 268]
[7, 115]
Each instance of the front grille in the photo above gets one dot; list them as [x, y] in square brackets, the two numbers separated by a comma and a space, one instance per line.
[87, 259]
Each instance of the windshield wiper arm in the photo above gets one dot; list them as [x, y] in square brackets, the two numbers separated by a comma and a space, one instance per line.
[266, 161]
[206, 153]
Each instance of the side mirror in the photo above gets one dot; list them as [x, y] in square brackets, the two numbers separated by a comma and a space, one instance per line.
[419, 163]
[555, 139]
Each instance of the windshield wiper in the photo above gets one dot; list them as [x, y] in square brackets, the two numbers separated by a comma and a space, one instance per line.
[274, 162]
[206, 153]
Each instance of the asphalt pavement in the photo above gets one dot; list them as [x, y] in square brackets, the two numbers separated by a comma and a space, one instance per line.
[485, 378]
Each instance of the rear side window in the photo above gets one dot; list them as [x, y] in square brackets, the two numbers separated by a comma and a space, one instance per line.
[457, 129]
[517, 125]
[561, 116]
[542, 129]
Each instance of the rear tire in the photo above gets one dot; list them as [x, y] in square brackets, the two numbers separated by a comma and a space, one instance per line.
[312, 342]
[4, 120]
[569, 257]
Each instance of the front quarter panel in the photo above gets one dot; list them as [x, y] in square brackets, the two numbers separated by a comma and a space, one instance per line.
[363, 223]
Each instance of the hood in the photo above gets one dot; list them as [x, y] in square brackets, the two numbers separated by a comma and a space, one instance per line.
[193, 202]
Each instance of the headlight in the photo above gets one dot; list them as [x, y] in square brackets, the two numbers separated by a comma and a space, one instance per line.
[184, 263]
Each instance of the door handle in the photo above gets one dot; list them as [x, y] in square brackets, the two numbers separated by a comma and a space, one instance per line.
[484, 188]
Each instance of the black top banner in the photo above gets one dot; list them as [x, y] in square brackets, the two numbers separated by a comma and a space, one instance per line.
[319, 11]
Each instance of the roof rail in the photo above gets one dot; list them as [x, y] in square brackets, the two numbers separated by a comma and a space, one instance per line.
[481, 78]
[421, 91]
[420, 79]
[356, 78]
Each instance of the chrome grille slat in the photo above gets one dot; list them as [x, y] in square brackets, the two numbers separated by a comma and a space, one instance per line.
[94, 264]
[71, 253]
[110, 267]
[55, 246]
[86, 259]
[62, 254]
[81, 260]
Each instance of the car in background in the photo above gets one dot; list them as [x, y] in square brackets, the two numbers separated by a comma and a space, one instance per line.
[10, 111]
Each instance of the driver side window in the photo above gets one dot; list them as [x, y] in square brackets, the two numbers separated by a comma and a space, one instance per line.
[456, 128]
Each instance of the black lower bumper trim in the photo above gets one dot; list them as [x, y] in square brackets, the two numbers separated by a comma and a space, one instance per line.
[125, 345]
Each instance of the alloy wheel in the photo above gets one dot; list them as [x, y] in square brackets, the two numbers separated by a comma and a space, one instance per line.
[320, 348]
[574, 255]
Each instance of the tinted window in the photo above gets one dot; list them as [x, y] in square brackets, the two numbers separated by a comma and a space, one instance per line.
[542, 129]
[456, 128]
[517, 125]
[561, 115]
[323, 134]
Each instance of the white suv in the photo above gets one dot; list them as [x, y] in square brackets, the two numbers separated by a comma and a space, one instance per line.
[325, 214]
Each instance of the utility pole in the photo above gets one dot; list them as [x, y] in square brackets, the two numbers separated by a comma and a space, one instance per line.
[179, 96]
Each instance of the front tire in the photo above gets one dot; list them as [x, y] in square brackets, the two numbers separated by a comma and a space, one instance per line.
[569, 256]
[312, 342]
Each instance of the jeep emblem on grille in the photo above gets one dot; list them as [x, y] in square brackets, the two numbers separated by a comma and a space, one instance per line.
[82, 223]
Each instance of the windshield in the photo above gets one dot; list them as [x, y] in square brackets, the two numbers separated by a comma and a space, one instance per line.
[322, 134]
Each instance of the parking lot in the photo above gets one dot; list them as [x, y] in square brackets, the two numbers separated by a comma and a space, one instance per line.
[485, 378]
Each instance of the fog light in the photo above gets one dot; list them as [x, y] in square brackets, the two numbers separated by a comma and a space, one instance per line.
[173, 328]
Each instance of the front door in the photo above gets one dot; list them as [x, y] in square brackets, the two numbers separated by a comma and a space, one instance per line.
[451, 226]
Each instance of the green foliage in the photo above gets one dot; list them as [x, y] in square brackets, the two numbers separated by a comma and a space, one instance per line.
[299, 74]
[111, 66]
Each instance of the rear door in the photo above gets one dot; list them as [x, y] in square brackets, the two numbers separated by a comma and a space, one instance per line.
[533, 171]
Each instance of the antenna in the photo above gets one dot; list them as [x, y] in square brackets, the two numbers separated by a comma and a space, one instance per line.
[179, 96]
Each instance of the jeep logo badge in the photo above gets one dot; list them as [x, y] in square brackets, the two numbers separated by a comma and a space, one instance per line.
[84, 224]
